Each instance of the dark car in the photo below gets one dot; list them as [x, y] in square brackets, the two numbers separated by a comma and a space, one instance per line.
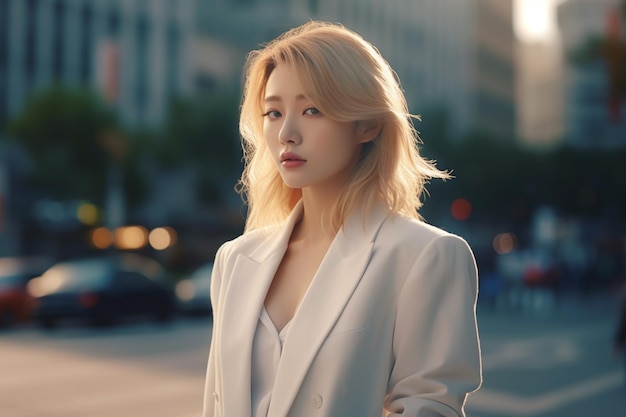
[103, 290]
[16, 304]
[194, 292]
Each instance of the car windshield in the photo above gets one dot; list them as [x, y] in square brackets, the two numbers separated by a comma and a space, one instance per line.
[77, 276]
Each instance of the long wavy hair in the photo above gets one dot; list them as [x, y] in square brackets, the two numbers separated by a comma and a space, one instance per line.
[348, 80]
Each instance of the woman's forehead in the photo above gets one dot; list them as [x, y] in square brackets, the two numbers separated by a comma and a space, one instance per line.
[285, 79]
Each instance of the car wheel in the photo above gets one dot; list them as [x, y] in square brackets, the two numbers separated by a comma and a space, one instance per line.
[7, 319]
[164, 314]
[106, 317]
[47, 323]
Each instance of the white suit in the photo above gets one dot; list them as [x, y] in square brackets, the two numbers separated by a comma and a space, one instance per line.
[387, 326]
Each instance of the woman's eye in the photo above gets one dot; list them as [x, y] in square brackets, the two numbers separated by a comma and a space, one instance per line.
[312, 111]
[272, 114]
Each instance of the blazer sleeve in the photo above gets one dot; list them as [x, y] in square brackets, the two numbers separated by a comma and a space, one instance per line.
[436, 346]
[210, 389]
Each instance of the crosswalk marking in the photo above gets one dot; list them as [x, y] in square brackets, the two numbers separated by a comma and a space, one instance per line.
[541, 353]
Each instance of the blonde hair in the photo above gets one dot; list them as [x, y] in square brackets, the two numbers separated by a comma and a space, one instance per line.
[349, 81]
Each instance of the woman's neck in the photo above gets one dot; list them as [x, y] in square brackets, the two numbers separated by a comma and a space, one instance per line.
[315, 223]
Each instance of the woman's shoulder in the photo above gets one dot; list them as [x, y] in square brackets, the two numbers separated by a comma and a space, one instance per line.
[247, 241]
[407, 242]
[416, 234]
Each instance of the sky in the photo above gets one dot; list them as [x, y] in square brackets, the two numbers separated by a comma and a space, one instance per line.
[535, 20]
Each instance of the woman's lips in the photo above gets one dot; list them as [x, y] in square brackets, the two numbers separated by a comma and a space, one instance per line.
[291, 160]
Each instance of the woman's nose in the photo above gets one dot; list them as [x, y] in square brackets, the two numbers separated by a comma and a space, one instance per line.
[289, 132]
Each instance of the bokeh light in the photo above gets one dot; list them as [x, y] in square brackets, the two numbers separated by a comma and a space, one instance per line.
[461, 209]
[87, 213]
[101, 238]
[162, 238]
[131, 237]
[505, 243]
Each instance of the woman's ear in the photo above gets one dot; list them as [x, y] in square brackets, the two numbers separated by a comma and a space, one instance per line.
[368, 130]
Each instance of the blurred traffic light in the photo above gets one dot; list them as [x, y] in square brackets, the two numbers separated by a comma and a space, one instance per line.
[461, 209]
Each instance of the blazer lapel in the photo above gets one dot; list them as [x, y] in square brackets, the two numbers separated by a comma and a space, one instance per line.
[331, 288]
[249, 281]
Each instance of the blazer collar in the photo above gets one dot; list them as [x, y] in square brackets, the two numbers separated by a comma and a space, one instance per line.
[331, 288]
[334, 283]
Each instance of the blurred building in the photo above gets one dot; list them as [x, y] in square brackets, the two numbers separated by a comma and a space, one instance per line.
[137, 52]
[450, 55]
[540, 92]
[592, 119]
[494, 106]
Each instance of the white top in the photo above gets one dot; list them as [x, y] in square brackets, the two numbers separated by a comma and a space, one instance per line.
[266, 351]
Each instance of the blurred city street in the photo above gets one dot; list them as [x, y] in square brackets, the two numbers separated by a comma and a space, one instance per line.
[551, 363]
[134, 370]
[545, 364]
[120, 156]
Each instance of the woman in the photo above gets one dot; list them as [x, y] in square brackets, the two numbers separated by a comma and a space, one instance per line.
[619, 337]
[337, 300]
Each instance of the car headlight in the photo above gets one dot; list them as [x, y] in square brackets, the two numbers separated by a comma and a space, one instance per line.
[185, 290]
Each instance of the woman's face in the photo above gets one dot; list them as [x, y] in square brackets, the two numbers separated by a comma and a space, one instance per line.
[309, 148]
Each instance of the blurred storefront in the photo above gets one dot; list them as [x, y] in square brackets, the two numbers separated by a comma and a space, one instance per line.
[594, 46]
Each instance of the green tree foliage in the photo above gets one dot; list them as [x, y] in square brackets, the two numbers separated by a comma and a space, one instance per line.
[204, 134]
[506, 182]
[64, 131]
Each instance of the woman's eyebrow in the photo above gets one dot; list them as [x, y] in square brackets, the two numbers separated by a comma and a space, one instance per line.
[268, 99]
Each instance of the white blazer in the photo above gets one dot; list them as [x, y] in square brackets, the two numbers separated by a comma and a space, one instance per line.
[387, 326]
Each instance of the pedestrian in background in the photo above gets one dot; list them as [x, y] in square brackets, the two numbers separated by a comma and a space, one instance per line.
[338, 299]
[619, 339]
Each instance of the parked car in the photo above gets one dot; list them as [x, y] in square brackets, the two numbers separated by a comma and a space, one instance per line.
[103, 290]
[194, 292]
[16, 304]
